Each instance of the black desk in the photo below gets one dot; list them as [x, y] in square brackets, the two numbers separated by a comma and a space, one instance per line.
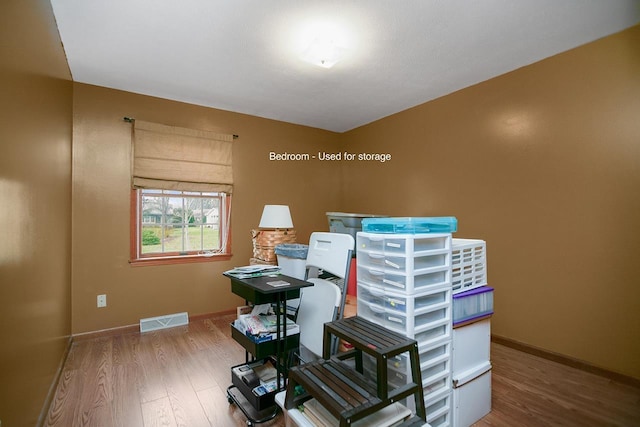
[258, 290]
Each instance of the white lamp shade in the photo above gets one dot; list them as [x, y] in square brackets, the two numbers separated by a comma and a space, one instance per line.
[276, 216]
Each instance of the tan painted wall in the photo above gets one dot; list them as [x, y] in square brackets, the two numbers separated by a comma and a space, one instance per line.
[101, 188]
[544, 164]
[35, 208]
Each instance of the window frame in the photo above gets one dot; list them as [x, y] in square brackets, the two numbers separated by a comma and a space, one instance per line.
[137, 258]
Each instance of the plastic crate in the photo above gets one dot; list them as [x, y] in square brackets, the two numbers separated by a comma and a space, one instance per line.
[468, 264]
[473, 304]
[394, 225]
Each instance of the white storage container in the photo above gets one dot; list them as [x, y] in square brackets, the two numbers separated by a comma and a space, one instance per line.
[471, 347]
[472, 399]
[468, 264]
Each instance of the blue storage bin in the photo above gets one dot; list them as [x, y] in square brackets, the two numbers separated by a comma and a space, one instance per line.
[410, 225]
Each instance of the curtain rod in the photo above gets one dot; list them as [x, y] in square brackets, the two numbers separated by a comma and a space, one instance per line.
[131, 120]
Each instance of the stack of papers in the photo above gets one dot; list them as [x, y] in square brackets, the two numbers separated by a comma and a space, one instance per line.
[262, 327]
[253, 271]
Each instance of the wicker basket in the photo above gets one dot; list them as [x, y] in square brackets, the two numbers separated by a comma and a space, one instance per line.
[265, 242]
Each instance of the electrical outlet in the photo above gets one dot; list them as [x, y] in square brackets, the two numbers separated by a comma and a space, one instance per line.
[102, 300]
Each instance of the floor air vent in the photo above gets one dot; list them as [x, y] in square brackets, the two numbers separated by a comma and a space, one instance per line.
[163, 322]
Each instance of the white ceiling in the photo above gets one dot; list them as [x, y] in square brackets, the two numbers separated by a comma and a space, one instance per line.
[242, 55]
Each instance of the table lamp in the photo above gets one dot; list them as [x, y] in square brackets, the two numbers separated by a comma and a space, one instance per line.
[276, 227]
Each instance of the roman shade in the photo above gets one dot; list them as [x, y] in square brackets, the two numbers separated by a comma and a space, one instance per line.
[174, 158]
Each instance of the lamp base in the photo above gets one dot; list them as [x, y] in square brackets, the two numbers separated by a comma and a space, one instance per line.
[265, 242]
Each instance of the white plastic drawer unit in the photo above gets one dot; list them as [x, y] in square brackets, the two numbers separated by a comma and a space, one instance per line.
[408, 315]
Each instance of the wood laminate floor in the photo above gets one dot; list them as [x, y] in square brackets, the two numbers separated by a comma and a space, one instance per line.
[179, 376]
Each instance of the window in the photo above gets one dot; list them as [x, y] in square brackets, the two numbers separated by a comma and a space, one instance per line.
[179, 226]
[181, 182]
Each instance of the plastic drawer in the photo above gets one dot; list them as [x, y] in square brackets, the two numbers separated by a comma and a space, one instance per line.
[472, 304]
[436, 404]
[436, 376]
[408, 323]
[370, 294]
[443, 420]
[372, 312]
[439, 405]
[472, 400]
[403, 282]
[395, 378]
[399, 244]
[414, 304]
[401, 322]
[402, 263]
[471, 347]
[426, 337]
[431, 386]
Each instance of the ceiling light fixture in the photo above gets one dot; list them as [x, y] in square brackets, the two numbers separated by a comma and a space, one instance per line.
[323, 52]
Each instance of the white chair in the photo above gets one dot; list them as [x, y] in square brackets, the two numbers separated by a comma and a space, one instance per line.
[330, 253]
[318, 304]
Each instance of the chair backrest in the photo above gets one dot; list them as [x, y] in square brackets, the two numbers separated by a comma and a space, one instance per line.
[318, 305]
[330, 252]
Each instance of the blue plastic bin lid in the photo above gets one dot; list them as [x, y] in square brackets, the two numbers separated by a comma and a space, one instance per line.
[411, 225]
